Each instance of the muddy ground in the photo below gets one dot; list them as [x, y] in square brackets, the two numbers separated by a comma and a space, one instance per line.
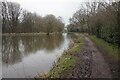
[94, 63]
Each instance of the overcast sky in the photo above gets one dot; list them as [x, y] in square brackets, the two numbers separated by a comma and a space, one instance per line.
[63, 8]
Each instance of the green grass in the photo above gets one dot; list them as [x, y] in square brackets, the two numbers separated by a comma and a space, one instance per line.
[111, 49]
[78, 45]
[65, 65]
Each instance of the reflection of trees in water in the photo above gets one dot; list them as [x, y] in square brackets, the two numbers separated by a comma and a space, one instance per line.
[35, 43]
[0, 46]
[12, 52]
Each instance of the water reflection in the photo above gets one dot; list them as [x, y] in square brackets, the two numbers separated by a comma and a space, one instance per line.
[14, 48]
[10, 50]
[38, 51]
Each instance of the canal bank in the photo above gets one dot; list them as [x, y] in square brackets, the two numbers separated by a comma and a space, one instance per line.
[67, 62]
[84, 60]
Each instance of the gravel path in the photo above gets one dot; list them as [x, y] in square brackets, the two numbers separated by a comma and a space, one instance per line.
[92, 64]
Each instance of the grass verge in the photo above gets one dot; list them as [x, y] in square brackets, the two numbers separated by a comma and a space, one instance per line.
[111, 49]
[64, 66]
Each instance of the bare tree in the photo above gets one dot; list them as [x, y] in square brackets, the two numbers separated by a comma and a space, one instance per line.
[14, 11]
[102, 19]
[10, 16]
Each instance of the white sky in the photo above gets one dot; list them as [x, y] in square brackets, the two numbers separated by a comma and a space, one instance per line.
[63, 8]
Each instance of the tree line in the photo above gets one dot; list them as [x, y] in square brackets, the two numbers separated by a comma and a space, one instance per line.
[98, 18]
[14, 19]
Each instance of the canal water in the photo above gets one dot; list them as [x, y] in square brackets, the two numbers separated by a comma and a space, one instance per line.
[26, 56]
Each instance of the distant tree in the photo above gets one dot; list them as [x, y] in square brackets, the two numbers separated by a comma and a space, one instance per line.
[101, 18]
[27, 22]
[53, 24]
[10, 16]
[0, 17]
[14, 11]
[5, 25]
[59, 27]
[16, 20]
[49, 23]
